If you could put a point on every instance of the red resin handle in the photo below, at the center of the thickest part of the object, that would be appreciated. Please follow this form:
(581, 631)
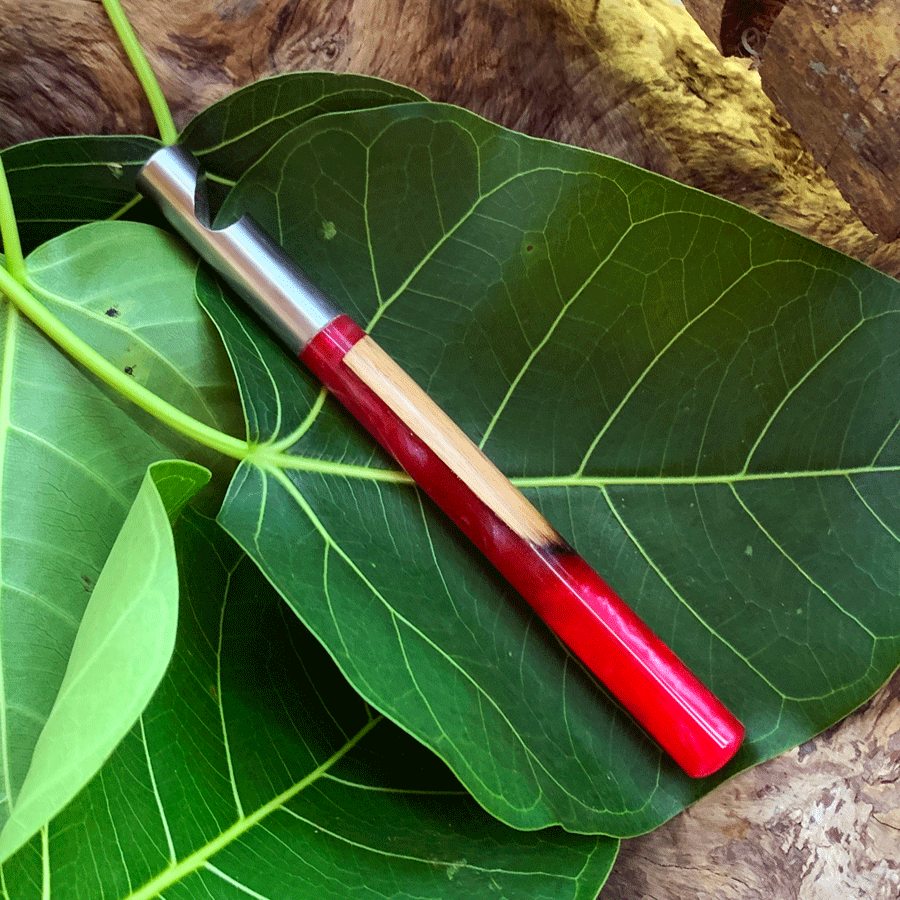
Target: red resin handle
(697, 731)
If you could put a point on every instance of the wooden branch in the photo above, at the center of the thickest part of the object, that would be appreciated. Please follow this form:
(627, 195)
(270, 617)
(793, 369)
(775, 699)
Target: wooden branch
(832, 68)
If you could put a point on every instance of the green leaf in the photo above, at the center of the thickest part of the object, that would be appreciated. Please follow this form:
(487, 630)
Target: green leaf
(127, 289)
(229, 136)
(256, 771)
(107, 684)
(73, 453)
(59, 183)
(706, 404)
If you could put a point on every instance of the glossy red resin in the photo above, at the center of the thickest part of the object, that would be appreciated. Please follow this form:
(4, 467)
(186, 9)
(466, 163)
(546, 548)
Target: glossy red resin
(694, 728)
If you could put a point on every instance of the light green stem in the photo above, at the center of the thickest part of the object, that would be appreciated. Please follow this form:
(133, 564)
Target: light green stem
(118, 380)
(167, 131)
(9, 231)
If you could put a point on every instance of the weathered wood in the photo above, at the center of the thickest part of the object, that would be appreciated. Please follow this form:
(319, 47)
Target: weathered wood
(832, 68)
(819, 823)
(634, 78)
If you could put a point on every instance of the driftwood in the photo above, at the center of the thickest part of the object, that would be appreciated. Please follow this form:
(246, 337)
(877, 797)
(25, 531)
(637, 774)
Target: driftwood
(832, 68)
(819, 823)
(634, 78)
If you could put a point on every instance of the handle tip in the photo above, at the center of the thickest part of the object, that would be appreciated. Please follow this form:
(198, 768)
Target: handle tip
(703, 747)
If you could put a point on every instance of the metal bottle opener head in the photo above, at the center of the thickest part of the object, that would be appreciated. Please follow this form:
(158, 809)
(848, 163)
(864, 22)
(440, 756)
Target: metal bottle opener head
(252, 263)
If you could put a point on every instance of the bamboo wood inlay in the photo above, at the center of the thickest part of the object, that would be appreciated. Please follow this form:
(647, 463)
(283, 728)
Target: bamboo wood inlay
(447, 441)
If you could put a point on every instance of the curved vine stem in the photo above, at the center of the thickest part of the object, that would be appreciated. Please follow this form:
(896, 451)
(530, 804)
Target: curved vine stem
(14, 283)
(120, 382)
(9, 231)
(138, 59)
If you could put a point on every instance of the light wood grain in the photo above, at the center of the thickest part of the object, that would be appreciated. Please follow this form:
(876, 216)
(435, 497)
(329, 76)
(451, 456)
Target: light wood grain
(444, 438)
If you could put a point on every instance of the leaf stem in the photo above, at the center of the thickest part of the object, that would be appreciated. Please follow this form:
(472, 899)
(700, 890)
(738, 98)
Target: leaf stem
(119, 381)
(138, 59)
(45, 863)
(266, 456)
(9, 231)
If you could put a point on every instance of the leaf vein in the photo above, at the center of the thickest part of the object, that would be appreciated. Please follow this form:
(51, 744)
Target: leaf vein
(329, 541)
(772, 540)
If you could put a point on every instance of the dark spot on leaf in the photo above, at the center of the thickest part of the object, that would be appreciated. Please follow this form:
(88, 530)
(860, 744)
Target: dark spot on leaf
(129, 370)
(88, 582)
(529, 248)
(112, 312)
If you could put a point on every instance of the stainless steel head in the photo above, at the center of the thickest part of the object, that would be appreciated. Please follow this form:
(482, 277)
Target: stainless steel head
(279, 291)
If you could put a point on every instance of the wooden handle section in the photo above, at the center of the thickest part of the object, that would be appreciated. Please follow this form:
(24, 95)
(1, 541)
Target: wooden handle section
(444, 438)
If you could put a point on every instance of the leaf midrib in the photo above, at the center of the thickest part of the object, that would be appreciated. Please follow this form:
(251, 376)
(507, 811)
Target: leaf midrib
(267, 456)
(6, 379)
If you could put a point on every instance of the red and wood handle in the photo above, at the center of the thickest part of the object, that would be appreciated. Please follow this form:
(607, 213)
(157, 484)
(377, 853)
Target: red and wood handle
(650, 682)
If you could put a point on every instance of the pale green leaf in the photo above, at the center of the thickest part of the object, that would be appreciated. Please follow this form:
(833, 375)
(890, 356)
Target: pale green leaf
(107, 683)
(73, 453)
(127, 289)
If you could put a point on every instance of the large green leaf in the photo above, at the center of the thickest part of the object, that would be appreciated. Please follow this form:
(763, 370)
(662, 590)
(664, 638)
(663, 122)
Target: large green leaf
(106, 683)
(73, 453)
(706, 404)
(257, 772)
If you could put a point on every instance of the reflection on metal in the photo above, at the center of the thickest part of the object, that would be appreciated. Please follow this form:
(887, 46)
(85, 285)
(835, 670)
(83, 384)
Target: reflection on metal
(277, 289)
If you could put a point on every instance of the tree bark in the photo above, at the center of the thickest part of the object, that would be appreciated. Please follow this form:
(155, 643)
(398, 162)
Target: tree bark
(832, 68)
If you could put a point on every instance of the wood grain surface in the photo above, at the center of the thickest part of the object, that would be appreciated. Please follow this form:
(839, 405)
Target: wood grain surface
(832, 68)
(634, 78)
